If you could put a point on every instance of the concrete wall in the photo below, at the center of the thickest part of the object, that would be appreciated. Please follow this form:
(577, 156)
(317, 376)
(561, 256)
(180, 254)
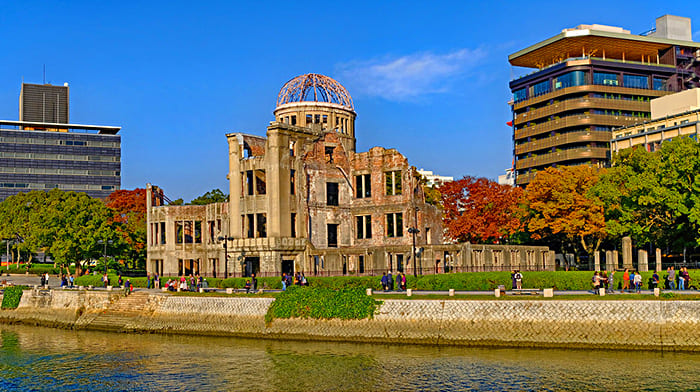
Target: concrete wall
(667, 325)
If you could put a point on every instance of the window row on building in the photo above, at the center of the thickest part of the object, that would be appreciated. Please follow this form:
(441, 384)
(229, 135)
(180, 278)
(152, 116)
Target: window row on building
(58, 142)
(64, 172)
(59, 157)
(65, 187)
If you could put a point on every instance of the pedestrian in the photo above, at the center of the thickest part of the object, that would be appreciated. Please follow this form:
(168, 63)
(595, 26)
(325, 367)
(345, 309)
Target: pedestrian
(518, 280)
(631, 281)
(71, 280)
(595, 282)
(398, 281)
(626, 280)
(255, 282)
(681, 279)
(120, 280)
(156, 281)
(148, 280)
(403, 281)
(654, 280)
(638, 282)
(127, 287)
(671, 278)
(604, 280)
(284, 281)
(247, 286)
(611, 282)
(384, 285)
(512, 278)
(389, 281)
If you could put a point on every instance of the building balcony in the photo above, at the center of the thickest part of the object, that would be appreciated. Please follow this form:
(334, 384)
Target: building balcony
(562, 156)
(582, 103)
(562, 139)
(581, 120)
(589, 88)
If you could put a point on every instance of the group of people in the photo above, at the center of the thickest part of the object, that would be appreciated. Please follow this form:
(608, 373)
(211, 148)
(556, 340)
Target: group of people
(152, 281)
(388, 281)
(191, 283)
(298, 279)
(632, 280)
(517, 279)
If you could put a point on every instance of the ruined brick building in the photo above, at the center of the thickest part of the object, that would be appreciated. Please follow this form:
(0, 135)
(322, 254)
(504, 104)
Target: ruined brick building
(302, 199)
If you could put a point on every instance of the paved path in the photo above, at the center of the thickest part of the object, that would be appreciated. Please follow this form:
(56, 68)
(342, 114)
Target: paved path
(30, 280)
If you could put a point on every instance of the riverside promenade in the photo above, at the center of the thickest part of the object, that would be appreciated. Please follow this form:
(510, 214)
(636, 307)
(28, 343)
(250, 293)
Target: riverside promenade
(655, 324)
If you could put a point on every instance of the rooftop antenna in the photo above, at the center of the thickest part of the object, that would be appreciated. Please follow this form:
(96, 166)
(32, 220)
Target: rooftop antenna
(44, 73)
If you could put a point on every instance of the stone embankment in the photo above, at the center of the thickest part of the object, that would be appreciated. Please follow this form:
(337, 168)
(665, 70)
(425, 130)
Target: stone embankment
(655, 325)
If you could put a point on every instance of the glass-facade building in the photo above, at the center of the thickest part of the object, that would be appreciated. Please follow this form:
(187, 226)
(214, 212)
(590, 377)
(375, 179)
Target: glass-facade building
(70, 157)
(588, 82)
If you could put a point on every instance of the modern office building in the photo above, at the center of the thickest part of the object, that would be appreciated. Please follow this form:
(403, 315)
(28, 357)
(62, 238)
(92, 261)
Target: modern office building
(43, 151)
(589, 80)
(672, 116)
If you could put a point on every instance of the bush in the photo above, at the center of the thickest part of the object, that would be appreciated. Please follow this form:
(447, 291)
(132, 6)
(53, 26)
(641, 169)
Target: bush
(11, 297)
(322, 303)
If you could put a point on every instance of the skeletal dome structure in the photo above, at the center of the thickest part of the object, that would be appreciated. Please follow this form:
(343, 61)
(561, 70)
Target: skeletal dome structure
(318, 102)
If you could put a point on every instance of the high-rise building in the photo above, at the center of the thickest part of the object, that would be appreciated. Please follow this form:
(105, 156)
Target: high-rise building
(43, 150)
(589, 80)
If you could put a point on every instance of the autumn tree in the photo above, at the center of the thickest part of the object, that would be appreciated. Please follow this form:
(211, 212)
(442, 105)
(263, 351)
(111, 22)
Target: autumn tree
(561, 206)
(481, 210)
(129, 211)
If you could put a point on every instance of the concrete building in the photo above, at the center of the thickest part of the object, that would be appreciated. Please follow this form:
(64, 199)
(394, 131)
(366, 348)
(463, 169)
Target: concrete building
(672, 116)
(589, 80)
(433, 179)
(43, 150)
(302, 199)
(508, 178)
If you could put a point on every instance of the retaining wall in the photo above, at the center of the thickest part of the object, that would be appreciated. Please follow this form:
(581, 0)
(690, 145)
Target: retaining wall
(655, 324)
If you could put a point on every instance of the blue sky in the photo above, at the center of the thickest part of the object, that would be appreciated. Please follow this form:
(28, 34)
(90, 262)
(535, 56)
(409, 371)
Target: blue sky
(428, 78)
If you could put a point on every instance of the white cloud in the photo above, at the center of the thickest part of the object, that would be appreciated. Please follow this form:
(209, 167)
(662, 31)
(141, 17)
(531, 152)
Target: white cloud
(410, 76)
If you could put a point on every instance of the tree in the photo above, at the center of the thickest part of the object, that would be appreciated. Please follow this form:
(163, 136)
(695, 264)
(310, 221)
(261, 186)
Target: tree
(129, 211)
(213, 196)
(481, 210)
(560, 205)
(654, 196)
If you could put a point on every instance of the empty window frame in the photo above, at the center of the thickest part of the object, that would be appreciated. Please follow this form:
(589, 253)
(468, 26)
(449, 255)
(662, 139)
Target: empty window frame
(294, 225)
(294, 120)
(364, 226)
(332, 193)
(248, 182)
(260, 182)
(394, 225)
(248, 225)
(393, 182)
(162, 232)
(328, 151)
(363, 185)
(292, 181)
(332, 230)
(292, 148)
(261, 225)
(309, 119)
(197, 232)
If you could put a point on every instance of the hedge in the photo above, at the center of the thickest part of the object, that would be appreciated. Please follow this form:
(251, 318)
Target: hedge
(322, 303)
(469, 281)
(11, 297)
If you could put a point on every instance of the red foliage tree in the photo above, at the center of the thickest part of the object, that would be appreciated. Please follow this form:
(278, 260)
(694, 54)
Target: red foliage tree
(481, 210)
(129, 208)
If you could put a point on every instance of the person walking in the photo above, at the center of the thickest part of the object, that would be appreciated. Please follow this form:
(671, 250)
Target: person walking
(671, 278)
(254, 281)
(626, 280)
(611, 282)
(638, 283)
(148, 280)
(398, 281)
(518, 280)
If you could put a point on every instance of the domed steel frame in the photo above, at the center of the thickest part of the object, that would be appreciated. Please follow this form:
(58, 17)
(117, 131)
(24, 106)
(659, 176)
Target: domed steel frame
(314, 88)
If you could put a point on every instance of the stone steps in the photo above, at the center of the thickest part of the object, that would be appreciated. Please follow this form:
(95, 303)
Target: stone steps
(120, 313)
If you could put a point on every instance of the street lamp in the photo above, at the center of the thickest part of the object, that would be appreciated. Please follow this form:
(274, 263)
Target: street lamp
(414, 230)
(225, 240)
(104, 252)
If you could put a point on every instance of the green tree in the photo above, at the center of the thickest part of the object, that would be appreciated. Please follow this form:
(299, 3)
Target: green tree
(213, 196)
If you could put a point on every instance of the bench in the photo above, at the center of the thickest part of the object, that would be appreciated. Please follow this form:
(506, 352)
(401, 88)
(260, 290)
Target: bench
(526, 291)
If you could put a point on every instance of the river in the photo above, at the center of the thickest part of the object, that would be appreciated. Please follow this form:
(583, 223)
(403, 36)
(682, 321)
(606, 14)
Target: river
(44, 359)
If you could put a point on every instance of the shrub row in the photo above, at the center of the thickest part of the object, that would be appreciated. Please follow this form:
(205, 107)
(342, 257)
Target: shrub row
(11, 297)
(322, 303)
(470, 281)
(35, 269)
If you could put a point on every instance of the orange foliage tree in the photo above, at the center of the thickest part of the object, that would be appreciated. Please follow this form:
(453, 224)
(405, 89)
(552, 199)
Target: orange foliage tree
(481, 210)
(129, 211)
(561, 204)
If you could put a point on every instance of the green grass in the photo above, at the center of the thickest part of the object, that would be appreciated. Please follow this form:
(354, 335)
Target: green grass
(11, 297)
(322, 303)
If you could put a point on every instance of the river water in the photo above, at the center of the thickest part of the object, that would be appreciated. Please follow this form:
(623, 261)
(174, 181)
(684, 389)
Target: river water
(44, 359)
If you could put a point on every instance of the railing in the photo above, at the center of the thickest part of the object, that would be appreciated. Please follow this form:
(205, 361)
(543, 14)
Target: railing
(576, 120)
(582, 103)
(564, 155)
(583, 59)
(562, 139)
(590, 88)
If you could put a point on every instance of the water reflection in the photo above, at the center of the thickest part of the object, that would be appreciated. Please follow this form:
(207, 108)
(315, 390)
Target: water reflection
(38, 359)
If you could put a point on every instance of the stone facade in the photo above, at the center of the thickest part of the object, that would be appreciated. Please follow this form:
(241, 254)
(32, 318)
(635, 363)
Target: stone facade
(303, 200)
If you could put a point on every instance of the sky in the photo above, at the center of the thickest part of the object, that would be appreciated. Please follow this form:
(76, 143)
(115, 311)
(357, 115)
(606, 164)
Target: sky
(427, 78)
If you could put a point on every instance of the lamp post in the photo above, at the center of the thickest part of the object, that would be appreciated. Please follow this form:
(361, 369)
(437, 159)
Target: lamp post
(225, 240)
(104, 252)
(414, 230)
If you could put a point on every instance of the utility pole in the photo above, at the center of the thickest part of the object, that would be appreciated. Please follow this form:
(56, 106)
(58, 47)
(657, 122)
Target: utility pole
(414, 230)
(225, 240)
